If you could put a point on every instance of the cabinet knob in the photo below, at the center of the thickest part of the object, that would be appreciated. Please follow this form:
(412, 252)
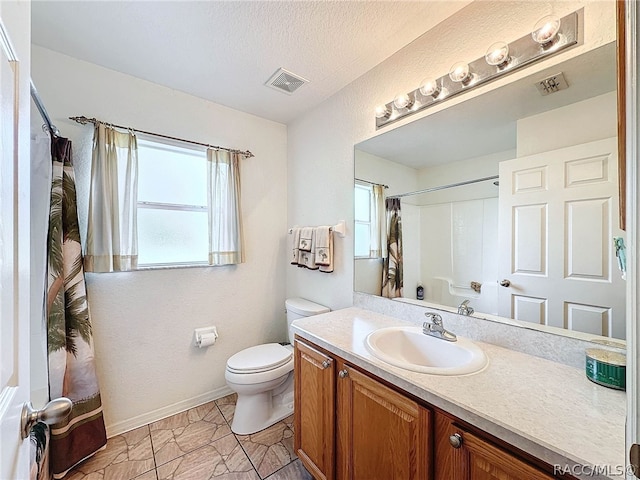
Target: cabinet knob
(455, 440)
(326, 363)
(343, 373)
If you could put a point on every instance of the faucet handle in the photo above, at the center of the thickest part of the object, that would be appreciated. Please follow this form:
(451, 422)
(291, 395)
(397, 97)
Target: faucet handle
(434, 317)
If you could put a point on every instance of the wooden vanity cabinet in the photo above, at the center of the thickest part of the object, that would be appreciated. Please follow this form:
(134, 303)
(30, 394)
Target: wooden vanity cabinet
(314, 412)
(351, 426)
(372, 431)
(462, 455)
(381, 433)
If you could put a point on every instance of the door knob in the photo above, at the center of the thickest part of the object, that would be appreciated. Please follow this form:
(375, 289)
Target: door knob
(455, 440)
(53, 412)
(505, 283)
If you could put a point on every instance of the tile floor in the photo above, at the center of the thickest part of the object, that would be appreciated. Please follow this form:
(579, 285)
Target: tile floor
(197, 445)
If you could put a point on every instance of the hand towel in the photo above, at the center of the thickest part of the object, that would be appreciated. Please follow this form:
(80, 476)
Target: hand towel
(308, 259)
(295, 242)
(328, 267)
(322, 246)
(305, 239)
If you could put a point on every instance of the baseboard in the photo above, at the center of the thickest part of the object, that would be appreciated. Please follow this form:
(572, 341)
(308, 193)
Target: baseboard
(164, 412)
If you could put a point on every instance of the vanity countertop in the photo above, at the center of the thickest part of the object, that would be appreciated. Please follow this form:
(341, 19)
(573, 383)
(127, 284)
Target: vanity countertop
(547, 409)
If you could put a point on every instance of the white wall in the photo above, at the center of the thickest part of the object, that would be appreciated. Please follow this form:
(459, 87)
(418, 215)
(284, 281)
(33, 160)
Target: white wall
(371, 168)
(143, 321)
(460, 171)
(568, 126)
(320, 146)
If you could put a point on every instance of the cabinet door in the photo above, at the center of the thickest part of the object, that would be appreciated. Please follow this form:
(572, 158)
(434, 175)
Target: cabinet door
(473, 458)
(381, 434)
(314, 412)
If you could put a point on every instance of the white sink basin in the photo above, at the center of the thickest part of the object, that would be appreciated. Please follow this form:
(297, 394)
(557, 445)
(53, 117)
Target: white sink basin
(409, 348)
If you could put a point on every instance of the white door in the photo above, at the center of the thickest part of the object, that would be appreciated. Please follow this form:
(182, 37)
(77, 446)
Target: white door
(558, 216)
(14, 268)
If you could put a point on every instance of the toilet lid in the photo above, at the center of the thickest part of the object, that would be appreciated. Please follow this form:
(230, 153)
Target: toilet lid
(259, 358)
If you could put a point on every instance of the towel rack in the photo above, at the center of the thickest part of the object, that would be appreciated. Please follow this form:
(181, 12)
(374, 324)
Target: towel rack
(339, 228)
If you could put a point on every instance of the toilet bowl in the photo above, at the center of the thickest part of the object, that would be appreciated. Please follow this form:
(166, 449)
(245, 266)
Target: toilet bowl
(262, 376)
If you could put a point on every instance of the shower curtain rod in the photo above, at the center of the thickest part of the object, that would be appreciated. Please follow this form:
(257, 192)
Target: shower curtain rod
(370, 183)
(84, 120)
(43, 111)
(443, 187)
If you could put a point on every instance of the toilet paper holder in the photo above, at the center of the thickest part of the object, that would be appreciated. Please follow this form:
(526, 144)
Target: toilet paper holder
(205, 337)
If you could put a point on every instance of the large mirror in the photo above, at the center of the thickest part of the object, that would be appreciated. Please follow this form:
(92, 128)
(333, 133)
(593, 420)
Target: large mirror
(537, 241)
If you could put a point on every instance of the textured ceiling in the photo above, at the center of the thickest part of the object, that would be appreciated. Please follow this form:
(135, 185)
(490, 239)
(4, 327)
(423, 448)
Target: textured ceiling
(224, 51)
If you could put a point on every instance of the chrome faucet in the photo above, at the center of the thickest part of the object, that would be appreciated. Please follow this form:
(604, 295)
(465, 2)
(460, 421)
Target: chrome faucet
(465, 309)
(436, 329)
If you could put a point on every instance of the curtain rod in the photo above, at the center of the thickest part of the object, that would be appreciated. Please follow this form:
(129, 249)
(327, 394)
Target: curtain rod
(43, 111)
(84, 120)
(443, 187)
(370, 183)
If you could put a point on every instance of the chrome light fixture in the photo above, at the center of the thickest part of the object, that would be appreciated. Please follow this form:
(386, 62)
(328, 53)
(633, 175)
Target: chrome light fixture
(546, 30)
(498, 55)
(429, 88)
(382, 111)
(550, 35)
(403, 100)
(459, 72)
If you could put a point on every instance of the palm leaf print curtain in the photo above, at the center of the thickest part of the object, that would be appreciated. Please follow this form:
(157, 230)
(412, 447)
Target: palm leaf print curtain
(71, 359)
(392, 266)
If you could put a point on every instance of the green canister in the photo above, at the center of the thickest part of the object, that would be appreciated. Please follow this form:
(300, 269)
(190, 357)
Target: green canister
(606, 368)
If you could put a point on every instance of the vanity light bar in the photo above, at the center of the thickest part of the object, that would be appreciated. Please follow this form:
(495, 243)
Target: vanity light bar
(520, 53)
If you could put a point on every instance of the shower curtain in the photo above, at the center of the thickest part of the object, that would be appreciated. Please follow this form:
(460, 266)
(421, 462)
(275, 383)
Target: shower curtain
(69, 337)
(392, 266)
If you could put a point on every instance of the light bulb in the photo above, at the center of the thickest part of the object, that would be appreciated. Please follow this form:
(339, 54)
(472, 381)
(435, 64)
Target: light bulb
(429, 87)
(546, 29)
(497, 54)
(402, 101)
(382, 111)
(459, 72)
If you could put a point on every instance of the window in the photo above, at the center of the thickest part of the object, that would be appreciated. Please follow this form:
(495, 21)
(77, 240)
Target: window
(363, 209)
(172, 205)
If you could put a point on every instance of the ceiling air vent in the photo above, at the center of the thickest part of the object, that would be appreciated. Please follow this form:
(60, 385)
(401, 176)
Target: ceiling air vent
(552, 84)
(285, 81)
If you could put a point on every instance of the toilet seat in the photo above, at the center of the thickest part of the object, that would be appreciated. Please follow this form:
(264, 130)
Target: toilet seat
(258, 359)
(260, 377)
(259, 364)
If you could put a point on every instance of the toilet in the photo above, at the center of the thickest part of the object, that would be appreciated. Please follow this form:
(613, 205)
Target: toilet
(262, 376)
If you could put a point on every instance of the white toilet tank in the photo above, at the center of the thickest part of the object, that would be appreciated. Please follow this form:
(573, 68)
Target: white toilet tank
(299, 308)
